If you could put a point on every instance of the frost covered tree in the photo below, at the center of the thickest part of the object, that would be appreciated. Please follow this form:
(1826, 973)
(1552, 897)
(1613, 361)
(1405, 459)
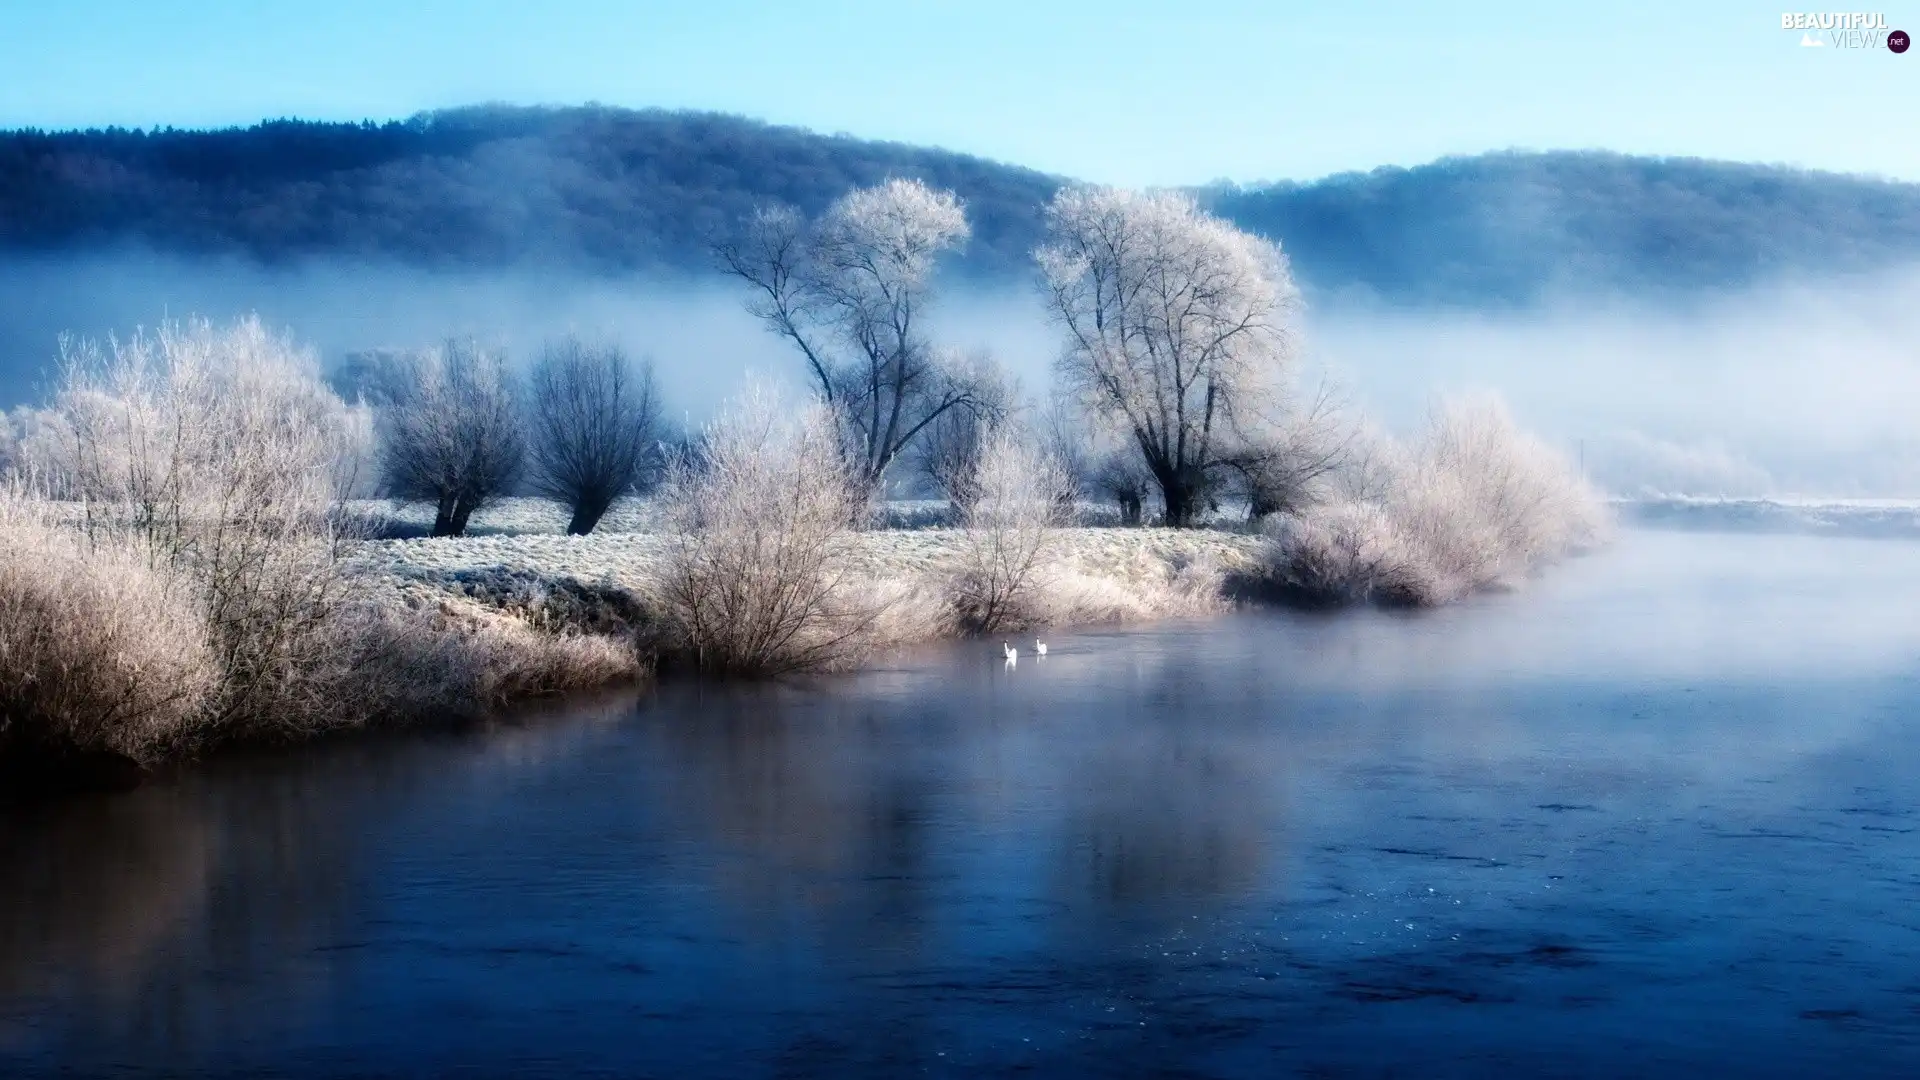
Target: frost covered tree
(1178, 329)
(596, 420)
(849, 291)
(1292, 465)
(1017, 497)
(947, 453)
(452, 436)
(212, 455)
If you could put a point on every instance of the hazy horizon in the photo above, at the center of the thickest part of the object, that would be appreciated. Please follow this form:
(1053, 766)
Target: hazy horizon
(1789, 387)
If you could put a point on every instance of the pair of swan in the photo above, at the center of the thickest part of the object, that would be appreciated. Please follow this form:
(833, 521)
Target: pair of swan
(1013, 655)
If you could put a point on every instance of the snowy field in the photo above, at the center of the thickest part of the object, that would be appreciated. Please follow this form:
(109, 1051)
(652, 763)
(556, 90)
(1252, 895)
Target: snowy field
(525, 516)
(630, 559)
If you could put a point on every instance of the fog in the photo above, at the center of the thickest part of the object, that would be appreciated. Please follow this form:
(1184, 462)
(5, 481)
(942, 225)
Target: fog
(1788, 389)
(1802, 389)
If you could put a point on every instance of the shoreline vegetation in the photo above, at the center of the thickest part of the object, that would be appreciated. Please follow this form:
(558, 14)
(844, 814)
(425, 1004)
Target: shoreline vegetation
(191, 530)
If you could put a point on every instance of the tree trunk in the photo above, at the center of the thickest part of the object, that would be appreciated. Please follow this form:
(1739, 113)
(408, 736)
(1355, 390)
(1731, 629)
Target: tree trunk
(1182, 499)
(586, 516)
(462, 510)
(443, 517)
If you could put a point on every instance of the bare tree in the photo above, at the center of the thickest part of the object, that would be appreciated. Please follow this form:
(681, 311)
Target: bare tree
(948, 451)
(848, 290)
(1287, 471)
(1177, 328)
(1120, 475)
(596, 427)
(452, 437)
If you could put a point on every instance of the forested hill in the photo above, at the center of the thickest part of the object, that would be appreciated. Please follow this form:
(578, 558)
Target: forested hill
(608, 188)
(611, 189)
(1510, 226)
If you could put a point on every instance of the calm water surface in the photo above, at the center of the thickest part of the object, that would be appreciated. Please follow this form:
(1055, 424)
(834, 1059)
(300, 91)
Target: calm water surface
(1657, 814)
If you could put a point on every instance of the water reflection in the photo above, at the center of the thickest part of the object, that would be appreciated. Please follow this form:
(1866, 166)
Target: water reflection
(94, 891)
(1546, 821)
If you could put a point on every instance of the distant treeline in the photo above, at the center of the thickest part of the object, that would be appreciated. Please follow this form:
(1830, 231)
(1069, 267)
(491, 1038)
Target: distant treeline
(612, 189)
(1507, 227)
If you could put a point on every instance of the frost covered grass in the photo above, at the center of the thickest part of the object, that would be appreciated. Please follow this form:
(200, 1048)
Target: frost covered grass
(750, 562)
(1094, 575)
(1157, 563)
(517, 515)
(95, 651)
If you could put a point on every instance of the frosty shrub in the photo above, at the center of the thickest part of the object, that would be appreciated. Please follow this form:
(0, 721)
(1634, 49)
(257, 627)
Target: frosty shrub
(1017, 499)
(1476, 504)
(98, 650)
(461, 660)
(758, 578)
(216, 452)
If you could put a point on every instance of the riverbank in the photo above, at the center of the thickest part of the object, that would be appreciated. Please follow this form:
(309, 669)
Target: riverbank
(447, 630)
(292, 616)
(608, 584)
(408, 630)
(1893, 519)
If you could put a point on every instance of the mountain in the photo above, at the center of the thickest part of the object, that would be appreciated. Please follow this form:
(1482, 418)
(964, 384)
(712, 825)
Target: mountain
(1510, 227)
(611, 190)
(608, 188)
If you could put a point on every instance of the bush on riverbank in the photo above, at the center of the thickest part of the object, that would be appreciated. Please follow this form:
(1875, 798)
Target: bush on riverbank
(758, 576)
(190, 588)
(97, 653)
(1476, 504)
(449, 660)
(1006, 563)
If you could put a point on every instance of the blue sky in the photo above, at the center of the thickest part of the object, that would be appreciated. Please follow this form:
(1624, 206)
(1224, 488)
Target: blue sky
(1109, 91)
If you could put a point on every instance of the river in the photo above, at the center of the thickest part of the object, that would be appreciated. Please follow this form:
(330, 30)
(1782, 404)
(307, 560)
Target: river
(1657, 813)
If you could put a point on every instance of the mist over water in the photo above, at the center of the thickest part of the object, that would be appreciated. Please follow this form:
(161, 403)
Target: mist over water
(1807, 388)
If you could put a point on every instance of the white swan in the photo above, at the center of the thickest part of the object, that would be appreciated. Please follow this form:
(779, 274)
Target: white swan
(1012, 654)
(1039, 647)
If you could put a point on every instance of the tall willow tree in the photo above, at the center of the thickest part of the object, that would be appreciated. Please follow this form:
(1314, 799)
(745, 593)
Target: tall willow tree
(1178, 332)
(849, 291)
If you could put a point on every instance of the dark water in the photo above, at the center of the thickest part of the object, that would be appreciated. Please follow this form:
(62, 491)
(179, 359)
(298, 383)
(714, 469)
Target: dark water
(1656, 815)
